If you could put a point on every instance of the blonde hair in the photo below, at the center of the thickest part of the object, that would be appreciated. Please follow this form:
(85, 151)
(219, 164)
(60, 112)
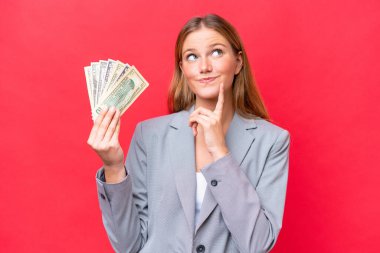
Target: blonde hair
(247, 99)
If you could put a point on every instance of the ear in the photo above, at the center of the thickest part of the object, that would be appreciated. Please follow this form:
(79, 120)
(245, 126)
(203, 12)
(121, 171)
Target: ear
(239, 60)
(180, 65)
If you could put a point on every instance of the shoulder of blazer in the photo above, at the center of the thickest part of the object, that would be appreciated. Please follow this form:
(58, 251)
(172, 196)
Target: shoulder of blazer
(157, 124)
(267, 126)
(161, 124)
(270, 132)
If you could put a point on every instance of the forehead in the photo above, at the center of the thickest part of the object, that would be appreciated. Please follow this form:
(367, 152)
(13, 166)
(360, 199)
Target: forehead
(203, 37)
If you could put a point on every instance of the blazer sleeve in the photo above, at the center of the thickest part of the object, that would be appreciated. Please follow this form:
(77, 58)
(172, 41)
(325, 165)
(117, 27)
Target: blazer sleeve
(125, 209)
(253, 216)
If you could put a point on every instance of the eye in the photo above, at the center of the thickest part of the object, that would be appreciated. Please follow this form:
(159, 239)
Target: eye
(191, 57)
(217, 52)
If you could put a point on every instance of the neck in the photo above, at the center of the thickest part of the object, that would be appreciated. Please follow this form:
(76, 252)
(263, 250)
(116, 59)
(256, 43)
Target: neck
(228, 108)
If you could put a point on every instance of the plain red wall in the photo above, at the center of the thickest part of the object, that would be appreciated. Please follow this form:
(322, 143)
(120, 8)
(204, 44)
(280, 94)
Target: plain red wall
(316, 63)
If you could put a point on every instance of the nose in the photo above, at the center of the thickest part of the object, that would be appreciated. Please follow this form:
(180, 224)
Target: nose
(205, 65)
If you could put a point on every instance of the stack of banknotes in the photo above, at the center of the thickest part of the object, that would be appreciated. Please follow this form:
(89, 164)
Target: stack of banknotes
(113, 83)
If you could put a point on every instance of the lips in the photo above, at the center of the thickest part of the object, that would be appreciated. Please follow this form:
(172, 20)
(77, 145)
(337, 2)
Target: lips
(207, 79)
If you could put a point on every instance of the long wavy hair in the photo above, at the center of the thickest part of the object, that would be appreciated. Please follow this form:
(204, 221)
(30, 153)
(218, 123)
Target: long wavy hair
(247, 99)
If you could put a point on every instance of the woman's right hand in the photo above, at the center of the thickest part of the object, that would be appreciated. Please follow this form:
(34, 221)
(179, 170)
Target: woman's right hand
(104, 140)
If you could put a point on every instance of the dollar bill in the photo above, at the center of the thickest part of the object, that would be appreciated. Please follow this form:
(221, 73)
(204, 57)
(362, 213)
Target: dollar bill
(87, 72)
(107, 77)
(95, 75)
(122, 73)
(118, 69)
(123, 93)
(102, 73)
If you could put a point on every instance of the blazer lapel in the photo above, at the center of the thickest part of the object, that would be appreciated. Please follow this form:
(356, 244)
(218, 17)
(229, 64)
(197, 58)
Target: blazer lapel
(182, 157)
(239, 139)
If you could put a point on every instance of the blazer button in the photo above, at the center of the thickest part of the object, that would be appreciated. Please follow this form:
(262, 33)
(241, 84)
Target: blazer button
(201, 248)
(214, 182)
(102, 196)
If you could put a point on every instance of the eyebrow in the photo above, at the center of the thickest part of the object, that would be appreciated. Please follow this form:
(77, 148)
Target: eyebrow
(212, 45)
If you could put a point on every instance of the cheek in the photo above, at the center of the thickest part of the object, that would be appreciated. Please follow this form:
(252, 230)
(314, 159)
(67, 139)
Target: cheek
(189, 71)
(227, 70)
(226, 67)
(190, 76)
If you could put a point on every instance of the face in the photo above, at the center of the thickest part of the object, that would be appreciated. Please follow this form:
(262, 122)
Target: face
(207, 61)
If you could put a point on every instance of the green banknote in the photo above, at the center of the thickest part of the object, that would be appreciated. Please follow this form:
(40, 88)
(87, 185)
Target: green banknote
(129, 85)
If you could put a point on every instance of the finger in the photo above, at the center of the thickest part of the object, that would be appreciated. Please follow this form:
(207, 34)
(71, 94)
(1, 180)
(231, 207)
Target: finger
(204, 112)
(202, 120)
(115, 136)
(104, 124)
(194, 127)
(219, 104)
(112, 127)
(95, 128)
(193, 118)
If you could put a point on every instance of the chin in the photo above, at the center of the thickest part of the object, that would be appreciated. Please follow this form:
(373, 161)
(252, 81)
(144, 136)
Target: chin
(210, 94)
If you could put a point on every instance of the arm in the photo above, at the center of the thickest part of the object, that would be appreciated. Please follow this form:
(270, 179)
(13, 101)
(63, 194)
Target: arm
(125, 209)
(253, 216)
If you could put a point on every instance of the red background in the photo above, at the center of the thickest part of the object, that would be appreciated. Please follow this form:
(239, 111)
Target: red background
(317, 66)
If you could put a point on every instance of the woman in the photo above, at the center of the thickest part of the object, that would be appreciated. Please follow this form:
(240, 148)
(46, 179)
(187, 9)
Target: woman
(211, 176)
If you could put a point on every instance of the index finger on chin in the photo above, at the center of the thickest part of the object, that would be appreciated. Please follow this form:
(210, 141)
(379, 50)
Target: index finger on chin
(219, 104)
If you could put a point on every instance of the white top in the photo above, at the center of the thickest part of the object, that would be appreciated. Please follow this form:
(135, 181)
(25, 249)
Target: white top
(201, 188)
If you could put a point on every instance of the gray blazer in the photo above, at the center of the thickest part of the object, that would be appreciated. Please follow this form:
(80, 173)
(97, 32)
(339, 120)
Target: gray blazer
(152, 210)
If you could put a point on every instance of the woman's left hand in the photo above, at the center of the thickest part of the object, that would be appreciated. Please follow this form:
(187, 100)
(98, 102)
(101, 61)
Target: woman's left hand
(211, 126)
